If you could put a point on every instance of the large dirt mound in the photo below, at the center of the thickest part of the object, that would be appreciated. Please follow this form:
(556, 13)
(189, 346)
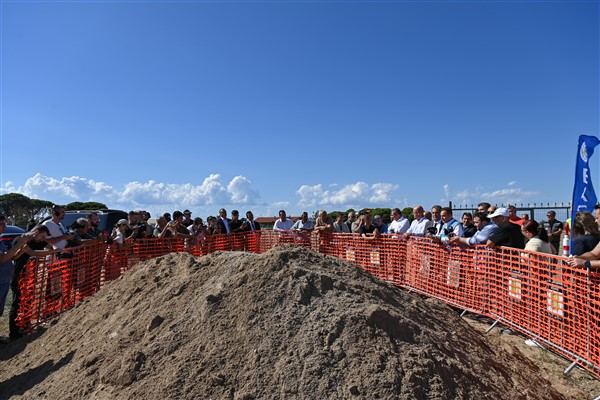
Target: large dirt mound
(289, 323)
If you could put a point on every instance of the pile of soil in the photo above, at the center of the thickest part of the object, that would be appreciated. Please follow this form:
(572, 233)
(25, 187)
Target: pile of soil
(289, 323)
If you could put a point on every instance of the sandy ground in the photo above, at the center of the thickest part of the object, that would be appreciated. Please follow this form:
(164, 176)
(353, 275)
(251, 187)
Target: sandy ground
(577, 384)
(289, 323)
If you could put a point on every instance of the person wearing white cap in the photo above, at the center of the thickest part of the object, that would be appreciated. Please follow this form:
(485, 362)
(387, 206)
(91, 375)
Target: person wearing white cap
(508, 234)
(120, 232)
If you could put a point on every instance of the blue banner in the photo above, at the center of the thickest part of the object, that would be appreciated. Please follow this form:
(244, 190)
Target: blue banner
(584, 196)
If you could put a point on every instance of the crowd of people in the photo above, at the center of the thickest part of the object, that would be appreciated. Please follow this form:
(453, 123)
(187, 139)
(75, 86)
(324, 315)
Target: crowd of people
(489, 225)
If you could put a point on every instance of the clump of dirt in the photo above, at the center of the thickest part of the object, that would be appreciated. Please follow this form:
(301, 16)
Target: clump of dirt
(289, 323)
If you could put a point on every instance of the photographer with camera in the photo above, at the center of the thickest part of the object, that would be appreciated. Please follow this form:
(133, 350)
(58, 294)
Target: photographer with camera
(176, 226)
(137, 225)
(197, 228)
(450, 228)
(34, 248)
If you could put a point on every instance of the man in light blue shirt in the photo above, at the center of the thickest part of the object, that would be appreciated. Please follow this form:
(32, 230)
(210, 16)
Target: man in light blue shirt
(485, 229)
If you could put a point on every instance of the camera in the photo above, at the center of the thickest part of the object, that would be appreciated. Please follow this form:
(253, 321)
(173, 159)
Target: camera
(449, 233)
(432, 230)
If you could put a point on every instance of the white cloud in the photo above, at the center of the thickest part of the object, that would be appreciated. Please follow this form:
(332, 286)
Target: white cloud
(498, 196)
(150, 195)
(447, 191)
(512, 183)
(382, 193)
(210, 192)
(504, 196)
(357, 194)
(63, 190)
(241, 190)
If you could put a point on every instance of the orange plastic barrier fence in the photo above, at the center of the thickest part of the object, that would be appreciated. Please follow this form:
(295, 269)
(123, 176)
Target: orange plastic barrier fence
(537, 294)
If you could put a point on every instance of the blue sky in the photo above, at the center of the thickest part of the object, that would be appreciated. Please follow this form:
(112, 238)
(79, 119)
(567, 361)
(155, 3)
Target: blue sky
(265, 105)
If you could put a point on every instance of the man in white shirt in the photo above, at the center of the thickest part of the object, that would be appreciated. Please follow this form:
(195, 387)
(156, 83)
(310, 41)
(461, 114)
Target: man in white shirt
(58, 234)
(283, 223)
(303, 224)
(419, 224)
(399, 224)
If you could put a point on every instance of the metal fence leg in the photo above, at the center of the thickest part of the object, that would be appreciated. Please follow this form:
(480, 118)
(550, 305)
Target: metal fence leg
(493, 325)
(570, 367)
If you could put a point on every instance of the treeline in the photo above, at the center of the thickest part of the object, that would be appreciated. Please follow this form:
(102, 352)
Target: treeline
(384, 212)
(19, 209)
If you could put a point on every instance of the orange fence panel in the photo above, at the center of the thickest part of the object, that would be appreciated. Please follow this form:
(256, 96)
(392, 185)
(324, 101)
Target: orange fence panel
(450, 273)
(537, 294)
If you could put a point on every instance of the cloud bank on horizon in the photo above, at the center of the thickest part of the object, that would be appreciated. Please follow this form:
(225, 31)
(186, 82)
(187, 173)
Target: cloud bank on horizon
(214, 192)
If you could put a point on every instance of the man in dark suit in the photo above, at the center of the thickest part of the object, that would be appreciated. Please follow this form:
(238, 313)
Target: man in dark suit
(250, 224)
(253, 228)
(223, 221)
(221, 241)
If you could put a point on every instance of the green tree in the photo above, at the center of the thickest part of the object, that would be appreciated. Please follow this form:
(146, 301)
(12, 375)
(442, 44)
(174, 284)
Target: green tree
(16, 208)
(407, 213)
(94, 205)
(90, 205)
(384, 212)
(334, 214)
(40, 208)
